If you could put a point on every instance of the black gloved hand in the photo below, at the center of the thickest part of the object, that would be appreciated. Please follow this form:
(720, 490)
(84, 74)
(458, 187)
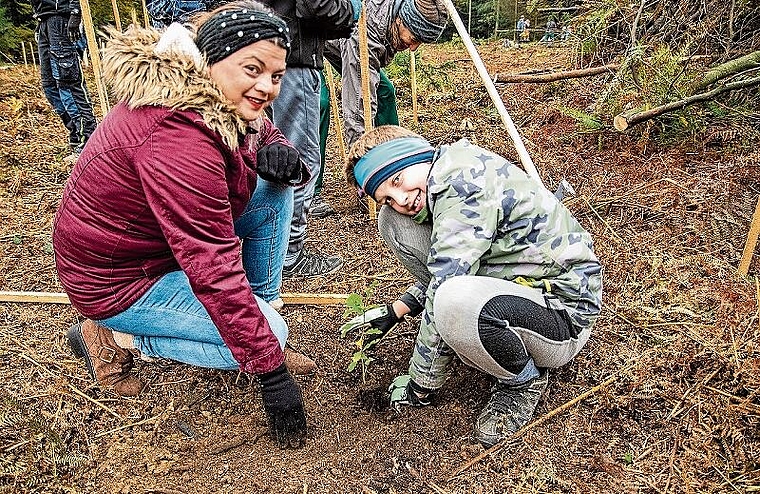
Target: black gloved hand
(279, 163)
(382, 318)
(72, 27)
(283, 404)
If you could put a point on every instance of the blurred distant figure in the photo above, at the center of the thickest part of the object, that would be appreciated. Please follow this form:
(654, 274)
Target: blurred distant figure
(523, 26)
(551, 31)
(57, 33)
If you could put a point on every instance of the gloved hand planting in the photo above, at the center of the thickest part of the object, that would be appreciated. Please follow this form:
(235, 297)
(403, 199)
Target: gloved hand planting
(405, 392)
(382, 318)
(283, 404)
(72, 27)
(279, 163)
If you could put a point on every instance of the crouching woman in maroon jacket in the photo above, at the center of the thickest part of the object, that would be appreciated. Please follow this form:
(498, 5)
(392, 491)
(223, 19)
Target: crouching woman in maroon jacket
(148, 234)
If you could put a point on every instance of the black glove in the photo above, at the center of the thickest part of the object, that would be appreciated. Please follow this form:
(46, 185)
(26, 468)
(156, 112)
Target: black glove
(382, 318)
(75, 19)
(283, 404)
(279, 163)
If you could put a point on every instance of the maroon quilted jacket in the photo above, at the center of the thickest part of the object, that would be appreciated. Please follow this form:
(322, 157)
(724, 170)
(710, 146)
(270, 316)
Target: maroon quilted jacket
(156, 190)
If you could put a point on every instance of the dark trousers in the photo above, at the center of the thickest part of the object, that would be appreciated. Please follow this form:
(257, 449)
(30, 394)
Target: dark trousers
(63, 81)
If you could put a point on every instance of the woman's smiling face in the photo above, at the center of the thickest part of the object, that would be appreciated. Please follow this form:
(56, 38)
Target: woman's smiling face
(250, 77)
(405, 190)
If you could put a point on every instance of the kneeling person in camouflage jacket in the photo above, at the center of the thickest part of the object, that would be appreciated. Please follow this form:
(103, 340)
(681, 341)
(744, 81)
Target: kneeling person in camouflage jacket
(507, 279)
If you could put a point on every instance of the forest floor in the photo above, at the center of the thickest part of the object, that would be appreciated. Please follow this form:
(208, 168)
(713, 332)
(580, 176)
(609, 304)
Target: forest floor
(675, 356)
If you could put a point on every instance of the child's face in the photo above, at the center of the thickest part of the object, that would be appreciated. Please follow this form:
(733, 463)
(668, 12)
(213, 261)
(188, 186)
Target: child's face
(405, 190)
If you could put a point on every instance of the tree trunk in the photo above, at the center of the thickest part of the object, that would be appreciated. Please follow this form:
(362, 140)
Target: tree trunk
(726, 69)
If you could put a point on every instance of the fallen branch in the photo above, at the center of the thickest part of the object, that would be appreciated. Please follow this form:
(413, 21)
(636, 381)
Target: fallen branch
(287, 298)
(629, 119)
(538, 422)
(556, 76)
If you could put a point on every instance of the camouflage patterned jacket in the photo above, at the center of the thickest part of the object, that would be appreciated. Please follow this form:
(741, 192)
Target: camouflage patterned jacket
(491, 219)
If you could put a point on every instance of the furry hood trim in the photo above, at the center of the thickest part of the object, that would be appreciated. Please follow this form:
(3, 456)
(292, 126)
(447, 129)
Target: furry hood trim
(145, 67)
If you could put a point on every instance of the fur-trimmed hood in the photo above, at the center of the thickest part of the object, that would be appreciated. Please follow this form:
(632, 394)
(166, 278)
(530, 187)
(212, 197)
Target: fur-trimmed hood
(145, 67)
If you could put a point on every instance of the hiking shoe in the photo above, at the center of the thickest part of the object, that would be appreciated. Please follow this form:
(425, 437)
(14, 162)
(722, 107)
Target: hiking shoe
(297, 363)
(310, 265)
(508, 410)
(320, 208)
(106, 361)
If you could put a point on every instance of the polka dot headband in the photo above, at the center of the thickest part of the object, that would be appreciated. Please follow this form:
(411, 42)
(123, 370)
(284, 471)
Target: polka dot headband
(230, 30)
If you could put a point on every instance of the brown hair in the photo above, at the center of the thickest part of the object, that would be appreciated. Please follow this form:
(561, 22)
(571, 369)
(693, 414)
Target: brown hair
(369, 140)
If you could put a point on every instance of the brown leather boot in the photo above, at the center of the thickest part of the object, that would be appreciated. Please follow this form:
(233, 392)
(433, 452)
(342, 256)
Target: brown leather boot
(297, 363)
(108, 363)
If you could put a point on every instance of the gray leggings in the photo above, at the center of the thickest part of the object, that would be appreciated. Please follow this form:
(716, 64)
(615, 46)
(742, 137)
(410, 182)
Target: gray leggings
(497, 326)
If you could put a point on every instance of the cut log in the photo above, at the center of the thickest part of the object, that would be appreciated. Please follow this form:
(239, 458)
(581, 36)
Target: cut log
(287, 298)
(629, 119)
(556, 76)
(727, 69)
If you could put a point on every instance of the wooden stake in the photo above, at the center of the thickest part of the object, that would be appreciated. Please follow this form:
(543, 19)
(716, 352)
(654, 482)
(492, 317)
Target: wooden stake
(288, 298)
(92, 47)
(31, 50)
(413, 77)
(145, 14)
(116, 17)
(366, 94)
(335, 111)
(525, 159)
(749, 247)
(23, 50)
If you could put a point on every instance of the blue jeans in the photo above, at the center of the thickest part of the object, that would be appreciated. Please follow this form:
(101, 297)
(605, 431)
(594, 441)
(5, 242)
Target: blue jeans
(169, 321)
(296, 113)
(62, 80)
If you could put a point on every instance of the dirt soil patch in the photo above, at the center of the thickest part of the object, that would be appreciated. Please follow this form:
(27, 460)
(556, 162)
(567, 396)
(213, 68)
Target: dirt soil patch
(677, 344)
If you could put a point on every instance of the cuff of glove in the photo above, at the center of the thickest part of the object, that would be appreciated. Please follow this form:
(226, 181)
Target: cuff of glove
(273, 376)
(415, 308)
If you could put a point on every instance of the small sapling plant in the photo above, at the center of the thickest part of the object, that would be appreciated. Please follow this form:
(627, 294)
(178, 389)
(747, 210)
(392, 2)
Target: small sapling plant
(356, 308)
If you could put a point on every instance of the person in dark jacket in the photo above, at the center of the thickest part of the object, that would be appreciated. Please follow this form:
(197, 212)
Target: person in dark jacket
(148, 234)
(60, 72)
(296, 111)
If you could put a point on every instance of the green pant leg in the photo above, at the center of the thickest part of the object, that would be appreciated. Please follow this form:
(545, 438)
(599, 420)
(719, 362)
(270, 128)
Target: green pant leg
(324, 129)
(387, 114)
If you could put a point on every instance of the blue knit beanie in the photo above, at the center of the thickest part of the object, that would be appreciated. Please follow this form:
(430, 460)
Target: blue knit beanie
(425, 30)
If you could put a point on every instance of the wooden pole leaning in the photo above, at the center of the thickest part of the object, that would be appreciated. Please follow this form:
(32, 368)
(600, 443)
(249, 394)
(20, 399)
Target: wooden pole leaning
(366, 94)
(146, 16)
(116, 17)
(31, 51)
(23, 50)
(92, 47)
(525, 159)
(62, 298)
(335, 110)
(749, 247)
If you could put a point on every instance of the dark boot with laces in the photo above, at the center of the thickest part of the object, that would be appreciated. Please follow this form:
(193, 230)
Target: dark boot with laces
(310, 264)
(320, 208)
(508, 410)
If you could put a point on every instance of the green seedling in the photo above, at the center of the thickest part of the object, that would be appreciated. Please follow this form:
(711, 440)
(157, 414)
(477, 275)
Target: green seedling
(356, 306)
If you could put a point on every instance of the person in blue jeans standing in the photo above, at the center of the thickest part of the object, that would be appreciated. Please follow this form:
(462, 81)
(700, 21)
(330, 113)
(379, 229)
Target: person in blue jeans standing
(60, 71)
(296, 111)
